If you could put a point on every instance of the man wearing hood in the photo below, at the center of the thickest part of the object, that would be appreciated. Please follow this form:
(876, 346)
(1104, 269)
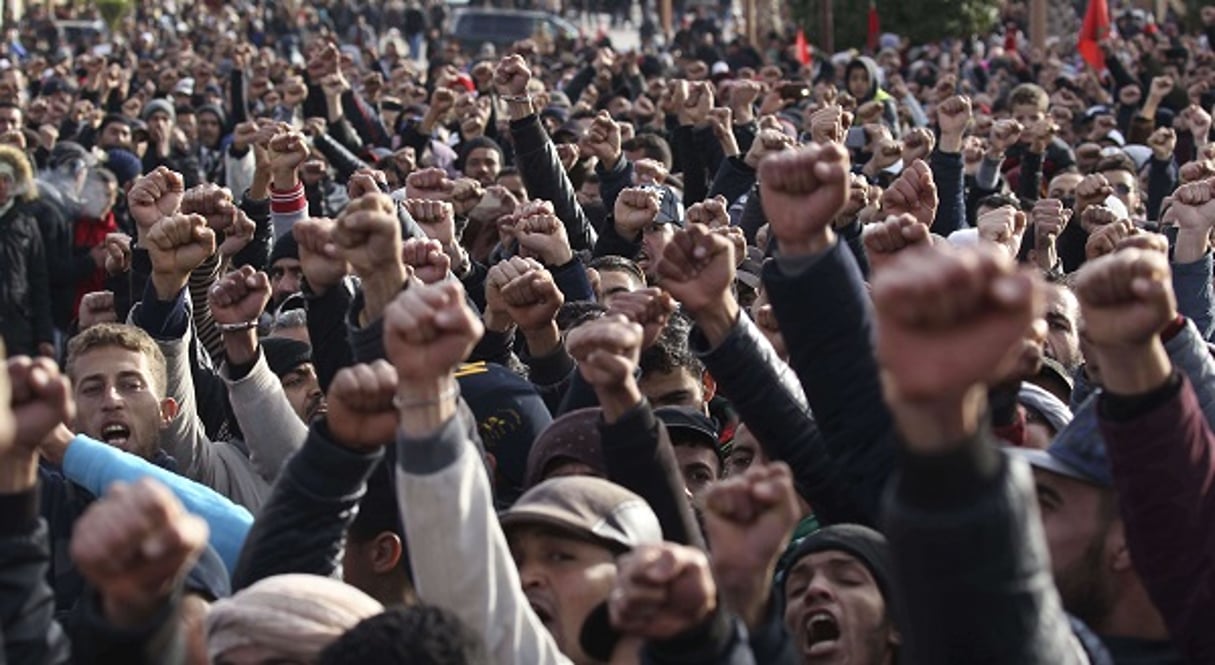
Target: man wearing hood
(864, 83)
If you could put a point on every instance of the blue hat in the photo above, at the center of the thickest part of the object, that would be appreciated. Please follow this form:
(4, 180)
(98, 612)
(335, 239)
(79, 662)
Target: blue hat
(1077, 452)
(124, 164)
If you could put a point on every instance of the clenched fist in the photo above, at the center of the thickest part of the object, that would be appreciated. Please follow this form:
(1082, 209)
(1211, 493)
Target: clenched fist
(662, 591)
(368, 234)
(155, 196)
(802, 192)
(177, 245)
(239, 296)
(361, 415)
(883, 240)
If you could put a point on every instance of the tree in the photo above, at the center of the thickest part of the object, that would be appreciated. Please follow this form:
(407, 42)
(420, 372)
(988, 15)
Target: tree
(921, 21)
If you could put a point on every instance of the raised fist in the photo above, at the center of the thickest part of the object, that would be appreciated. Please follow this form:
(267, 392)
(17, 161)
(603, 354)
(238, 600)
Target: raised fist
(950, 320)
(768, 142)
(1162, 142)
(662, 591)
(466, 193)
(429, 330)
(214, 203)
(1161, 87)
(710, 212)
(953, 115)
(366, 181)
(697, 267)
(287, 151)
(1039, 135)
(368, 234)
(1198, 121)
(40, 399)
(96, 307)
(649, 308)
(543, 237)
(914, 192)
(1004, 227)
(636, 208)
(602, 140)
(117, 253)
(512, 76)
(133, 545)
(1093, 189)
(1126, 298)
(155, 196)
(1095, 217)
(695, 109)
(431, 184)
(607, 350)
(827, 126)
(1106, 238)
(320, 259)
(883, 240)
(361, 416)
(239, 296)
(427, 258)
(238, 235)
(802, 192)
(179, 244)
(749, 519)
(1004, 135)
(532, 298)
(437, 218)
(918, 144)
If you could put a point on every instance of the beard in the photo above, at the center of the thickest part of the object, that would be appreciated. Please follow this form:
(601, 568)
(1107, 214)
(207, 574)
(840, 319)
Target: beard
(1085, 589)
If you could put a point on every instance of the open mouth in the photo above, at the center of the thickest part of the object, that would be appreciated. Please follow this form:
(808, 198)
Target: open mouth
(822, 633)
(317, 409)
(543, 613)
(116, 434)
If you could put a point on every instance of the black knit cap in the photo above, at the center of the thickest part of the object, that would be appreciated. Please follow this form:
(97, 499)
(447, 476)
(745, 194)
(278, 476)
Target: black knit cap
(284, 248)
(868, 546)
(284, 354)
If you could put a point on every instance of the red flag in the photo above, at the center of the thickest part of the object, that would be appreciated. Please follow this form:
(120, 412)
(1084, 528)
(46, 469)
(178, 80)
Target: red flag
(875, 27)
(1095, 29)
(803, 49)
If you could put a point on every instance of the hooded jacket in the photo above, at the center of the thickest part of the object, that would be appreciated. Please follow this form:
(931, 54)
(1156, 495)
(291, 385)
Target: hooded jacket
(890, 113)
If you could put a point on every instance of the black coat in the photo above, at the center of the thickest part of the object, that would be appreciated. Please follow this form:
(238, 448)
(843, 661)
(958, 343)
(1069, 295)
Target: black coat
(25, 295)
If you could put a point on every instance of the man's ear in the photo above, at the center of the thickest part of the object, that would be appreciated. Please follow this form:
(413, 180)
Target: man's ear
(168, 411)
(1117, 553)
(386, 551)
(709, 384)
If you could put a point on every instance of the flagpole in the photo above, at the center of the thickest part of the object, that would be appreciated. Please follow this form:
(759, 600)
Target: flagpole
(827, 27)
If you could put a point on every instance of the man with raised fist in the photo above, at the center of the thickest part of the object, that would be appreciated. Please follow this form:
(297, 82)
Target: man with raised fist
(949, 322)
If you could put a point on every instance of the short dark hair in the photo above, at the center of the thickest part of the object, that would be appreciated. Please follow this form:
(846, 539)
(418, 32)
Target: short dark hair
(652, 146)
(616, 263)
(577, 312)
(418, 635)
(994, 201)
(1119, 161)
(671, 351)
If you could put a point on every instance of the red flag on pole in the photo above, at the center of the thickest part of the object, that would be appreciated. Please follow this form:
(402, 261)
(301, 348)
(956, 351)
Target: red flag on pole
(1096, 28)
(875, 27)
(803, 49)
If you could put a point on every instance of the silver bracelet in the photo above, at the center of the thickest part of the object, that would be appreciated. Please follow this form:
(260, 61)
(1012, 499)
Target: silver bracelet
(516, 99)
(237, 327)
(450, 393)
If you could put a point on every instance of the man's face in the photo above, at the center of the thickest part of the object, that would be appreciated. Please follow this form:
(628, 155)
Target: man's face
(615, 282)
(483, 165)
(1076, 534)
(699, 465)
(116, 135)
(160, 125)
(209, 130)
(1063, 187)
(744, 451)
(1126, 188)
(835, 611)
(188, 124)
(10, 120)
(858, 82)
(303, 391)
(564, 579)
(514, 184)
(676, 388)
(1062, 335)
(1027, 114)
(285, 279)
(654, 241)
(116, 401)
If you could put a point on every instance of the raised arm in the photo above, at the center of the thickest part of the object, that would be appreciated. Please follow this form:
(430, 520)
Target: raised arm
(441, 480)
(970, 556)
(1161, 447)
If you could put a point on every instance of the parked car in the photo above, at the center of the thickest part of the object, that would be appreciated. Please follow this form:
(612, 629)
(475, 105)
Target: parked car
(474, 26)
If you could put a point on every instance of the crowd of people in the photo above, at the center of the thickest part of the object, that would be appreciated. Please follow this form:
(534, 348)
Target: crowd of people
(329, 342)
